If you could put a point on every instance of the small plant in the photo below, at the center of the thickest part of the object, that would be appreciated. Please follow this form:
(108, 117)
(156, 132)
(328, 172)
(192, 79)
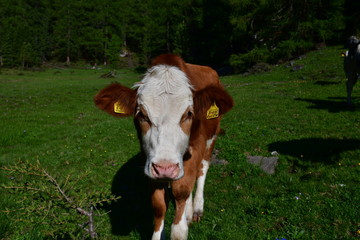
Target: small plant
(242, 62)
(62, 205)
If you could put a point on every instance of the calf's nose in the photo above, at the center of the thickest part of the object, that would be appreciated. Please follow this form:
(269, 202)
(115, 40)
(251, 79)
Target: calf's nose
(164, 170)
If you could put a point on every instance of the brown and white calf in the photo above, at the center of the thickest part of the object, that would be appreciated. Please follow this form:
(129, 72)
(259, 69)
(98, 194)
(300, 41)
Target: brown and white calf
(177, 109)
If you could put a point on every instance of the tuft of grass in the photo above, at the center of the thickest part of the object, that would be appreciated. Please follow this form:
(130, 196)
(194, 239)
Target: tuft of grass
(298, 110)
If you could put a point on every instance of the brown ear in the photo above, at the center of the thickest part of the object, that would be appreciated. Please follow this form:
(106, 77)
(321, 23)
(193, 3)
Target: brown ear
(205, 98)
(116, 100)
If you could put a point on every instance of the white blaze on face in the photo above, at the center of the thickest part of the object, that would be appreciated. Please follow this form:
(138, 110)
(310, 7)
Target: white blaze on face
(164, 112)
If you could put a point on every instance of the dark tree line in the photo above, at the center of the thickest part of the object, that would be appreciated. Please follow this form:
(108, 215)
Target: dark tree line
(218, 33)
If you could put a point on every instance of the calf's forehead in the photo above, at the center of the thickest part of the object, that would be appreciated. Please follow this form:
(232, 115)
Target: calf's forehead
(165, 107)
(164, 90)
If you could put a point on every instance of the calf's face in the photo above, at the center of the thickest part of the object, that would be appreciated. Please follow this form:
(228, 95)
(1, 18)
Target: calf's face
(164, 106)
(164, 113)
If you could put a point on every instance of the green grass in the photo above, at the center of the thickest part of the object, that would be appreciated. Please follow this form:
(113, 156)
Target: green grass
(50, 116)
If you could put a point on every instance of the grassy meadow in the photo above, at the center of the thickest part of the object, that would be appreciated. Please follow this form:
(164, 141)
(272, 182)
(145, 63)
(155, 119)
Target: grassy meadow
(298, 110)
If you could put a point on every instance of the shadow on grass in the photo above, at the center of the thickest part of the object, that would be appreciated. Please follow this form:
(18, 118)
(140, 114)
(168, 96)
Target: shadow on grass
(326, 83)
(333, 105)
(315, 149)
(132, 212)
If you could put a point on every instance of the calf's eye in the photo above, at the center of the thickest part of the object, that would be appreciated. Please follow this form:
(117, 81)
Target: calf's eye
(187, 116)
(142, 117)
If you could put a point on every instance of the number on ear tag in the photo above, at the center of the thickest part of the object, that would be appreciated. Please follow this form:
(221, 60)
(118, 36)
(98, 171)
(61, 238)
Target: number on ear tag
(212, 112)
(118, 108)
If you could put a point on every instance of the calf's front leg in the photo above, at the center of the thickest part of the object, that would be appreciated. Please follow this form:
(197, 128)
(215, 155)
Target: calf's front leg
(201, 177)
(160, 204)
(179, 228)
(199, 194)
(183, 201)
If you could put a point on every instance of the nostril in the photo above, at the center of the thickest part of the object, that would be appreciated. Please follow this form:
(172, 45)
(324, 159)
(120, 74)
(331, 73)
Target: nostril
(155, 167)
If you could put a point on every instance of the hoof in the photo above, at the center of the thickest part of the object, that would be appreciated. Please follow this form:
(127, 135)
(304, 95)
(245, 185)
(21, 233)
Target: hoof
(197, 216)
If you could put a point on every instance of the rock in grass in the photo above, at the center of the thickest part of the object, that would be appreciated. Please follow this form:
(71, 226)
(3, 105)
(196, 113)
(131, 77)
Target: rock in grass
(108, 75)
(215, 160)
(267, 164)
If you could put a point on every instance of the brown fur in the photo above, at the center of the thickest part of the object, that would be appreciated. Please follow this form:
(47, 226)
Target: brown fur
(143, 119)
(186, 121)
(200, 76)
(159, 202)
(108, 96)
(204, 98)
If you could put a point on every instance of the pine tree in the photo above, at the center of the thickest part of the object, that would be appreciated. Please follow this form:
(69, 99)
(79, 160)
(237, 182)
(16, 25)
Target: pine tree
(65, 28)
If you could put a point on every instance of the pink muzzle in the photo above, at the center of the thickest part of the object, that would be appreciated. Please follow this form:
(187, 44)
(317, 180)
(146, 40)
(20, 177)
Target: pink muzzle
(165, 170)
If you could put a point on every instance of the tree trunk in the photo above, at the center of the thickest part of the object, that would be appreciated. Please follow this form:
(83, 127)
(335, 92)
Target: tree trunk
(68, 39)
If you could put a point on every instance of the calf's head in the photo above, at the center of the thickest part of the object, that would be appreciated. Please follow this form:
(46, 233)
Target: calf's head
(165, 106)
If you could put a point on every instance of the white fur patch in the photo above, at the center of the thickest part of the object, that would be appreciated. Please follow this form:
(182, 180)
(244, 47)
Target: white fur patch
(189, 209)
(159, 235)
(165, 94)
(199, 195)
(180, 231)
(210, 141)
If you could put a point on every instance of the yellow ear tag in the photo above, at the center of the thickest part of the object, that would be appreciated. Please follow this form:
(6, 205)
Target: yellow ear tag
(118, 108)
(212, 112)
